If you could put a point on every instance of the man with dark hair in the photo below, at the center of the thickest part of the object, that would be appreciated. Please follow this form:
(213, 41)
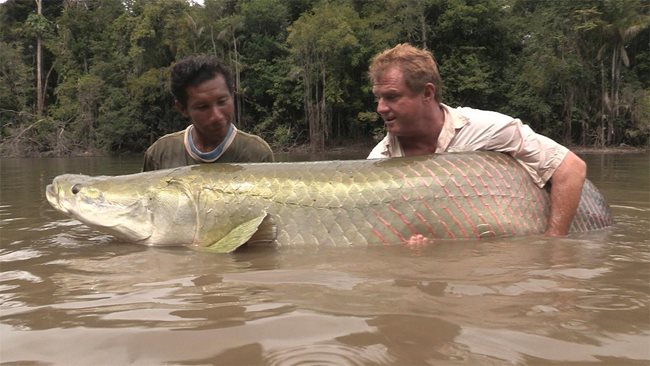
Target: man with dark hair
(203, 91)
(408, 89)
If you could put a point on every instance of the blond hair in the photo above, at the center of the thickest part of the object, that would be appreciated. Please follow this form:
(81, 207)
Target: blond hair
(418, 67)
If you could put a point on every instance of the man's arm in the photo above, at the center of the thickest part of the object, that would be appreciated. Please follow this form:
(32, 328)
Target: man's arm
(566, 188)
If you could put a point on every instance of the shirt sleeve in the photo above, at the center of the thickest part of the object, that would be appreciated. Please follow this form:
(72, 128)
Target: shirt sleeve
(376, 152)
(388, 147)
(268, 157)
(493, 131)
(148, 164)
(538, 154)
(260, 151)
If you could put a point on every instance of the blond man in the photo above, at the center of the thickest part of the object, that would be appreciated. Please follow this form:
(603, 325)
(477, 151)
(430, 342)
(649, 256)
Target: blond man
(408, 88)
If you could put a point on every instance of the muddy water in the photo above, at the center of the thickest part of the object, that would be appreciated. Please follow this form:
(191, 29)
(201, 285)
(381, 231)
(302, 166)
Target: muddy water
(71, 295)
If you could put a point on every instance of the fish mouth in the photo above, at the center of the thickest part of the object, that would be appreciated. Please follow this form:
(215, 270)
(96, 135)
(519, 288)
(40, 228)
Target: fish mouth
(108, 221)
(54, 198)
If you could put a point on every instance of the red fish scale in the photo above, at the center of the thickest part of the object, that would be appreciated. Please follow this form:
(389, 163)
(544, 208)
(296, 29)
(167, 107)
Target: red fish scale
(339, 203)
(445, 196)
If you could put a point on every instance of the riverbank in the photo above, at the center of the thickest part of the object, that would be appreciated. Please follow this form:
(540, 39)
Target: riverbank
(340, 150)
(361, 150)
(364, 148)
(621, 149)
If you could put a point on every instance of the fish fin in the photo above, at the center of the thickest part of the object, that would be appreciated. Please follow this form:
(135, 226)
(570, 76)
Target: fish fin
(266, 232)
(237, 236)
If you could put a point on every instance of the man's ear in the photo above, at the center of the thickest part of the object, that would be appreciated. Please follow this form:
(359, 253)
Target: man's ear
(181, 108)
(429, 91)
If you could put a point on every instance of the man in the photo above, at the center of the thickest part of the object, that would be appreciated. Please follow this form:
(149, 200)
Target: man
(203, 89)
(408, 89)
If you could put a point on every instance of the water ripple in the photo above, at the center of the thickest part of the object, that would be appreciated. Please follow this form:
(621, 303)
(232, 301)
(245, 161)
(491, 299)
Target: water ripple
(19, 275)
(332, 279)
(20, 255)
(614, 301)
(330, 354)
(577, 273)
(516, 346)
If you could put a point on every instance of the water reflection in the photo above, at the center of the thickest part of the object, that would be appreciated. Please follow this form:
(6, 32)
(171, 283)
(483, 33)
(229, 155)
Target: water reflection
(86, 298)
(519, 347)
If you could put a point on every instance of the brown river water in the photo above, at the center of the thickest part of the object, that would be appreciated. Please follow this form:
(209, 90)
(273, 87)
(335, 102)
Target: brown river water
(70, 295)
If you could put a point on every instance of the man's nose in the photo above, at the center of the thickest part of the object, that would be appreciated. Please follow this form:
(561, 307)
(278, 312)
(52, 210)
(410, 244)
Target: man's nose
(381, 106)
(216, 113)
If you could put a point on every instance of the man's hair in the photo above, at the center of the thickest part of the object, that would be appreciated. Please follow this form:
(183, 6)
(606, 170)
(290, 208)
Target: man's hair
(418, 67)
(194, 70)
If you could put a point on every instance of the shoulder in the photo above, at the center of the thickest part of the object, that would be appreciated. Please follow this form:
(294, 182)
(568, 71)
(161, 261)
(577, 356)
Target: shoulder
(249, 138)
(167, 140)
(251, 141)
(249, 147)
(166, 152)
(381, 150)
(483, 116)
(482, 125)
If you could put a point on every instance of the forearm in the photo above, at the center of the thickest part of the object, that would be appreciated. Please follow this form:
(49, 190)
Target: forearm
(566, 188)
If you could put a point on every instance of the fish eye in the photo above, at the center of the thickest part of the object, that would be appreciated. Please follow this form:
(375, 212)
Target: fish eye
(76, 188)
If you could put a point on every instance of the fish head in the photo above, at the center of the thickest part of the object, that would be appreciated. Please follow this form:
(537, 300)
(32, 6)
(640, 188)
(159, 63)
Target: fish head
(178, 206)
(118, 206)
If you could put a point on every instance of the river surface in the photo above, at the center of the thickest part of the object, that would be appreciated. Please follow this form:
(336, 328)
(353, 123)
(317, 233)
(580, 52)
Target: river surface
(70, 295)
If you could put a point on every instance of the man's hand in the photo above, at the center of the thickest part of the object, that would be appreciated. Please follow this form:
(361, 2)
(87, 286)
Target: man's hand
(417, 241)
(566, 188)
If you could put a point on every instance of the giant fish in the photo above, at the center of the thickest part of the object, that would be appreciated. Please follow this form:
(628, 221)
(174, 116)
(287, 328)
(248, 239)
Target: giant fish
(220, 207)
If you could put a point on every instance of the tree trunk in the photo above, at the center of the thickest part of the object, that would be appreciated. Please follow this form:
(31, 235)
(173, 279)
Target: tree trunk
(613, 97)
(604, 109)
(238, 96)
(40, 98)
(423, 29)
(214, 44)
(315, 105)
(311, 112)
(568, 115)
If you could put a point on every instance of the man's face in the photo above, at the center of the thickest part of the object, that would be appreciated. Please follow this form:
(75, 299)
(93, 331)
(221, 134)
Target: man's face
(210, 107)
(399, 107)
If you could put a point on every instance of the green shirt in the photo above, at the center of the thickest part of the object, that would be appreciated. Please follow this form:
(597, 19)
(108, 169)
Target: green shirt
(169, 151)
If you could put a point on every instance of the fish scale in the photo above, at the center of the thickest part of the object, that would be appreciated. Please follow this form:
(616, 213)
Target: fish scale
(334, 203)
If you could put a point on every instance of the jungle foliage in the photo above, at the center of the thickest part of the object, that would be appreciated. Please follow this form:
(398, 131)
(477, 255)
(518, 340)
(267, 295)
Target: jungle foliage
(91, 75)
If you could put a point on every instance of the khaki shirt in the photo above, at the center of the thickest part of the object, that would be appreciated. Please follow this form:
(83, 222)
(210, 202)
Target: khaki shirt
(169, 151)
(467, 129)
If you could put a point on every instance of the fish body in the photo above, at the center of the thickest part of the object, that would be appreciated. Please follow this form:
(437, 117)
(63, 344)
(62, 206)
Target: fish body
(220, 207)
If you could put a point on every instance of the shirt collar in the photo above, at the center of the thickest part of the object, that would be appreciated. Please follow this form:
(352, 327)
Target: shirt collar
(454, 121)
(211, 156)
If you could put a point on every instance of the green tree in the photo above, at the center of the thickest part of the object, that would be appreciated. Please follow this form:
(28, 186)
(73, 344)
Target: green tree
(16, 88)
(474, 43)
(552, 76)
(320, 41)
(576, 71)
(610, 27)
(621, 21)
(270, 95)
(81, 43)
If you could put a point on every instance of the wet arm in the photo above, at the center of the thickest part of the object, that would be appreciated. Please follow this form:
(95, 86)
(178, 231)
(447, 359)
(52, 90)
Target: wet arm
(566, 187)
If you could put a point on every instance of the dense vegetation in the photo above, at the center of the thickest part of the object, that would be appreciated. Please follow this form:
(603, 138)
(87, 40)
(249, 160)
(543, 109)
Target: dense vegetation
(91, 75)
